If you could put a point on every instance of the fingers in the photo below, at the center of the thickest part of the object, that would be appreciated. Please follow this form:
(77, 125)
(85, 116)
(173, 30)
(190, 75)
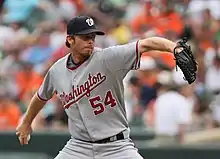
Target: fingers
(23, 140)
(23, 133)
(17, 133)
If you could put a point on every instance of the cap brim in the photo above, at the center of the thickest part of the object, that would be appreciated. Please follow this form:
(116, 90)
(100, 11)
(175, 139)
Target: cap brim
(88, 31)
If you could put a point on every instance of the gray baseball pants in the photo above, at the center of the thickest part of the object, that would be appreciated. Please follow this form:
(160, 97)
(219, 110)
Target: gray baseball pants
(121, 149)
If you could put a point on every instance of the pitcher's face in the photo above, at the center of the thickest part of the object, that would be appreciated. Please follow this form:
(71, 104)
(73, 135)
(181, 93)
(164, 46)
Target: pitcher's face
(83, 44)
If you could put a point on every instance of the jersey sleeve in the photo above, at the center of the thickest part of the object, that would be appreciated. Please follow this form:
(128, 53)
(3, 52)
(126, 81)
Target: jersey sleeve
(46, 90)
(122, 57)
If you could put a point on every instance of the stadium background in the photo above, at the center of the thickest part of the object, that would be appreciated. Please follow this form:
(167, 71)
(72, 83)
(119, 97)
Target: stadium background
(32, 38)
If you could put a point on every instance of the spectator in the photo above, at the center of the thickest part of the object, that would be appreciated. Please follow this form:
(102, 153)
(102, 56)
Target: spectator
(18, 30)
(57, 9)
(214, 87)
(27, 80)
(132, 98)
(18, 11)
(10, 65)
(6, 35)
(195, 8)
(58, 36)
(39, 53)
(108, 40)
(144, 20)
(142, 88)
(211, 52)
(171, 116)
(121, 33)
(212, 75)
(9, 113)
(146, 72)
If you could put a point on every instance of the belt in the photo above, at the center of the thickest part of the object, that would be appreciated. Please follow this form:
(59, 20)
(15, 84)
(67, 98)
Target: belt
(119, 136)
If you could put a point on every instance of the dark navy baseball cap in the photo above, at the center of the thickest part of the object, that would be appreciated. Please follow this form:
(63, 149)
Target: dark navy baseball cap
(82, 25)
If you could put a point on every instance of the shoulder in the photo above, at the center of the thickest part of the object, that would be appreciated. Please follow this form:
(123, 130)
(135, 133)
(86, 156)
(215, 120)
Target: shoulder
(59, 64)
(127, 45)
(96, 54)
(97, 49)
(118, 49)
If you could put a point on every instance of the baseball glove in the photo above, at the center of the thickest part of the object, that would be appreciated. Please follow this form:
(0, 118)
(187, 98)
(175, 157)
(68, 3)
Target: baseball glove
(185, 60)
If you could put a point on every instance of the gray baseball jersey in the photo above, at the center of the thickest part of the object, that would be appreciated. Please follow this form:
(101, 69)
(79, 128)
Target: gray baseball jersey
(92, 93)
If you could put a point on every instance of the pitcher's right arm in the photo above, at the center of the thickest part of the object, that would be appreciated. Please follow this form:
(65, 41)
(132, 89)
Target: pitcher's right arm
(45, 92)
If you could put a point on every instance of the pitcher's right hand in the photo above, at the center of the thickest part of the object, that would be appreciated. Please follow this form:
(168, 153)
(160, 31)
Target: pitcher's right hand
(23, 131)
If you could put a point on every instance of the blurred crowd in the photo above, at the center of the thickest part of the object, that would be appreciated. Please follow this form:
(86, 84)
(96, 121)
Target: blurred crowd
(32, 38)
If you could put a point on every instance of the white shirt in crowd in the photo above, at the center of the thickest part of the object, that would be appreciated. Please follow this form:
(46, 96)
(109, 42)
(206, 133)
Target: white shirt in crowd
(197, 6)
(212, 84)
(211, 79)
(57, 39)
(215, 106)
(209, 56)
(171, 109)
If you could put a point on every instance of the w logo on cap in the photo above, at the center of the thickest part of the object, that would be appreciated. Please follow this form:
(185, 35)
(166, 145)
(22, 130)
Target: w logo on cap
(90, 22)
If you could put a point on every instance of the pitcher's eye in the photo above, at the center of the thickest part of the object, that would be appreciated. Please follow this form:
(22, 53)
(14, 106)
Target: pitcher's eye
(90, 37)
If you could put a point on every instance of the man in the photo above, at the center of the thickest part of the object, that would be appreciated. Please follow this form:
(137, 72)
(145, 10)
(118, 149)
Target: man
(212, 76)
(88, 81)
(172, 112)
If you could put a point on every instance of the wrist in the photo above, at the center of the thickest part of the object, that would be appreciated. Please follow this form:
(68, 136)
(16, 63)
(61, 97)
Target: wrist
(26, 121)
(177, 49)
(173, 45)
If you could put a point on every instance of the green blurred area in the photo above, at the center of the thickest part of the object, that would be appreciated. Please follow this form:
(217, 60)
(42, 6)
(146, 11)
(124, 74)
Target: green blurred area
(40, 146)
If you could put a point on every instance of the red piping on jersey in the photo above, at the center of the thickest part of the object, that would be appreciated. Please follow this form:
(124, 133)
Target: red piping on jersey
(136, 62)
(41, 98)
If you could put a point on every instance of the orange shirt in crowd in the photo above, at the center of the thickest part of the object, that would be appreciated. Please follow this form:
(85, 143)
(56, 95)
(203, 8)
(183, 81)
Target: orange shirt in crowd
(9, 115)
(169, 22)
(28, 82)
(166, 57)
(162, 23)
(141, 21)
(151, 79)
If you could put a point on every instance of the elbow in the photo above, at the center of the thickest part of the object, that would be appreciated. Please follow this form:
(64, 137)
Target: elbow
(148, 44)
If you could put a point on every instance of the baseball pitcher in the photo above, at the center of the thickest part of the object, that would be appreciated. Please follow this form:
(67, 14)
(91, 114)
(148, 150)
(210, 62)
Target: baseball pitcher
(88, 81)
